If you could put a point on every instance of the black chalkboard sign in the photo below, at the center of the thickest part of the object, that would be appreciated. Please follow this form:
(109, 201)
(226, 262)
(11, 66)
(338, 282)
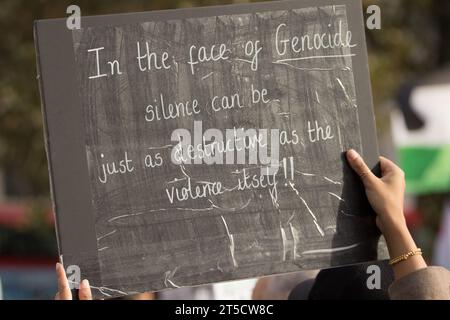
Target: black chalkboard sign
(201, 145)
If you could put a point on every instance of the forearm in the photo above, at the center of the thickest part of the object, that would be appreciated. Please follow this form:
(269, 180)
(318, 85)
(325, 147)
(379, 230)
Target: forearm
(400, 241)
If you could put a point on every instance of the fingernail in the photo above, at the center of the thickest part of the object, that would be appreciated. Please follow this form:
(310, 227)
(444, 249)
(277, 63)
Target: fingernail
(352, 154)
(84, 284)
(57, 266)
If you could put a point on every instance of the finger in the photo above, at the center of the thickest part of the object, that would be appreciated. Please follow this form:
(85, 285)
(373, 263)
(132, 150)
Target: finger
(387, 166)
(64, 292)
(84, 292)
(360, 167)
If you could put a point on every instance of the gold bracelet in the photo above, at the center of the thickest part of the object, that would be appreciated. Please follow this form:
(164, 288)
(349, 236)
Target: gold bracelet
(405, 256)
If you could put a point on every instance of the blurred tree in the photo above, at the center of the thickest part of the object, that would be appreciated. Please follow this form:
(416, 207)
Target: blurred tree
(411, 42)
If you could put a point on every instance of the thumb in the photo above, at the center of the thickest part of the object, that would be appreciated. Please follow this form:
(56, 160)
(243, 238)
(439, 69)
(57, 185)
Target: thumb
(360, 167)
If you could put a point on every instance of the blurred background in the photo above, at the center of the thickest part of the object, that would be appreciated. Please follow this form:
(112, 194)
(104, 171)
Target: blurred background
(409, 64)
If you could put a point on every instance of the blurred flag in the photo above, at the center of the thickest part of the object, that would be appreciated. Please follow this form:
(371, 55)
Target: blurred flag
(421, 132)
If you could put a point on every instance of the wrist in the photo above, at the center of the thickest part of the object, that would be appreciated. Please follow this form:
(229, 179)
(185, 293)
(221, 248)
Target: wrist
(400, 241)
(393, 225)
(396, 230)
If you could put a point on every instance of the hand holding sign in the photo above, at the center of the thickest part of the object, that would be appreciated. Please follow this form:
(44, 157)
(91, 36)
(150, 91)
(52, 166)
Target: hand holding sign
(209, 141)
(64, 292)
